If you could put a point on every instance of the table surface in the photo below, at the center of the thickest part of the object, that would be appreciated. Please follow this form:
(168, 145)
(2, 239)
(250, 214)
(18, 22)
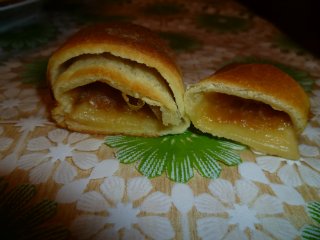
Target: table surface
(71, 185)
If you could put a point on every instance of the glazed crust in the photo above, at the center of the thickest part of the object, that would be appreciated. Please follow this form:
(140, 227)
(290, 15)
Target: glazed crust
(262, 83)
(266, 83)
(136, 54)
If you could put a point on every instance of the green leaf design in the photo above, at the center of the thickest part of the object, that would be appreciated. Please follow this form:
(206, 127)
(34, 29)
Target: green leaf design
(39, 213)
(3, 186)
(50, 233)
(21, 218)
(85, 18)
(83, 13)
(304, 78)
(35, 72)
(311, 232)
(27, 37)
(313, 209)
(163, 8)
(180, 41)
(301, 76)
(286, 44)
(178, 155)
(115, 1)
(13, 202)
(222, 23)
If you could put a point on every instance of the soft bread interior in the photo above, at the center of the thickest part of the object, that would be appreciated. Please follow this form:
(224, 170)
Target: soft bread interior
(95, 92)
(244, 120)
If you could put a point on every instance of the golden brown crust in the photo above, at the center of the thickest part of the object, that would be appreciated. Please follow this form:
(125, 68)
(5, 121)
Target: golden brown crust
(121, 39)
(266, 83)
(140, 66)
(259, 82)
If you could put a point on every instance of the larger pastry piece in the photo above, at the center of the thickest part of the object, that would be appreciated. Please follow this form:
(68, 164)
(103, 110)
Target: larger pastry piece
(117, 79)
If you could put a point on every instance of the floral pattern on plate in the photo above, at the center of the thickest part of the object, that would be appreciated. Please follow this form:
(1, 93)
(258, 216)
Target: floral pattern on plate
(122, 212)
(59, 147)
(245, 209)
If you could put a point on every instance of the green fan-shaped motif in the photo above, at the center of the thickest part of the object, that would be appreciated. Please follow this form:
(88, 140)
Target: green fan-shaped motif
(286, 44)
(88, 17)
(35, 72)
(83, 13)
(163, 8)
(312, 232)
(222, 23)
(301, 76)
(179, 41)
(178, 155)
(115, 1)
(313, 209)
(21, 219)
(27, 37)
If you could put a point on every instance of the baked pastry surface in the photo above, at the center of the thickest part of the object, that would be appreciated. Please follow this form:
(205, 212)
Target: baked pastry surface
(255, 104)
(117, 79)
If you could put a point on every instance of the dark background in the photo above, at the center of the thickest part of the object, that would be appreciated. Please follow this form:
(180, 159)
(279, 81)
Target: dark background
(299, 20)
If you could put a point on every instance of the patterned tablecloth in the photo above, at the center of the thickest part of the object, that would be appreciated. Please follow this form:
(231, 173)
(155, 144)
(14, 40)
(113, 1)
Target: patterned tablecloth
(61, 184)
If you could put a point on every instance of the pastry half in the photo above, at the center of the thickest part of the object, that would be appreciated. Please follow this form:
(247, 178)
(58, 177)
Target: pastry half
(255, 104)
(117, 79)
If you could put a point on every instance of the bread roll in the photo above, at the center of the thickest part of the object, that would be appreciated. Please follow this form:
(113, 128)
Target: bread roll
(255, 104)
(117, 79)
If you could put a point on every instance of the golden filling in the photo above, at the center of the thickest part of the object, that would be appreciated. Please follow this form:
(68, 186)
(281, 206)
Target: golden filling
(98, 106)
(102, 97)
(246, 113)
(247, 121)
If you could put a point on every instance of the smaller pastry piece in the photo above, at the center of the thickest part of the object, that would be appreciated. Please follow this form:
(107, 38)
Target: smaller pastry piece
(255, 104)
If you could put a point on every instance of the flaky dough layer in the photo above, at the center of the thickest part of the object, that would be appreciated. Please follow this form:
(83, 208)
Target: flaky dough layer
(132, 61)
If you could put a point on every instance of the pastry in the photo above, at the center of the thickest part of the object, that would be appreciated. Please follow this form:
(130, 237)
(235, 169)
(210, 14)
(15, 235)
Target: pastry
(117, 78)
(255, 104)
